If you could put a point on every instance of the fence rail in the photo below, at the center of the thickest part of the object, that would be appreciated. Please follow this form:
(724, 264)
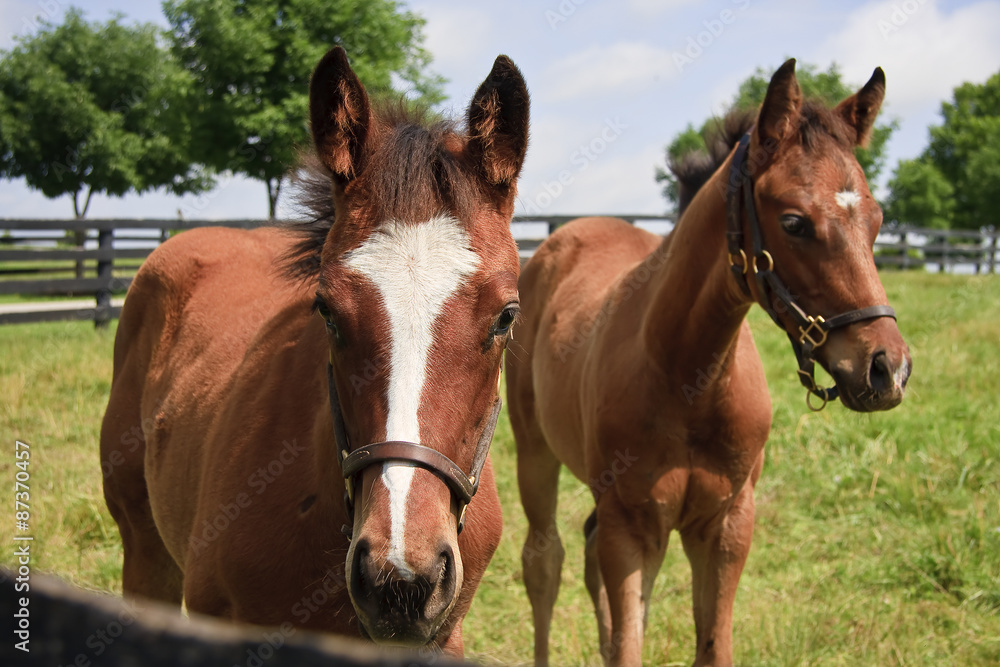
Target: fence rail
(47, 258)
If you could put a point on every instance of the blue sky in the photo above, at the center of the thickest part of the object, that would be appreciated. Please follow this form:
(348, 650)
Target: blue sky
(613, 82)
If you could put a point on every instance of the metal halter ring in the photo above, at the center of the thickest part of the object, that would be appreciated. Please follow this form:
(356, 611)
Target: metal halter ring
(813, 390)
(770, 261)
(743, 258)
(822, 405)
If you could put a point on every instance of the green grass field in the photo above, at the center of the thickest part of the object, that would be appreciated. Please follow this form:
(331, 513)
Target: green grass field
(877, 540)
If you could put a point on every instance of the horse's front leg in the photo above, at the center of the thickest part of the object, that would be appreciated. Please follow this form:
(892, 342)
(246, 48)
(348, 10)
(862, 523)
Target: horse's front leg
(630, 542)
(717, 552)
(452, 646)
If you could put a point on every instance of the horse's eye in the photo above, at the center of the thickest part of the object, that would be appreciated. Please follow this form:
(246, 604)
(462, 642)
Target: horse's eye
(324, 312)
(794, 225)
(505, 321)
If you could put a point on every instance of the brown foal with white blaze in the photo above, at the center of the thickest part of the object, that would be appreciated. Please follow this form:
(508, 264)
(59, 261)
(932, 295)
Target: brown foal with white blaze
(299, 418)
(638, 360)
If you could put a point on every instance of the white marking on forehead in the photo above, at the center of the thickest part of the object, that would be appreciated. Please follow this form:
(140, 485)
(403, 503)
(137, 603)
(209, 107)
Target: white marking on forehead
(847, 199)
(416, 268)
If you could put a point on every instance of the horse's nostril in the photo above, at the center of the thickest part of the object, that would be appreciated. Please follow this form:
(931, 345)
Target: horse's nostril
(444, 559)
(362, 580)
(880, 373)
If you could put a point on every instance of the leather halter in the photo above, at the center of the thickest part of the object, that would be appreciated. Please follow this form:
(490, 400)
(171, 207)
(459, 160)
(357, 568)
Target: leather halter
(812, 331)
(463, 486)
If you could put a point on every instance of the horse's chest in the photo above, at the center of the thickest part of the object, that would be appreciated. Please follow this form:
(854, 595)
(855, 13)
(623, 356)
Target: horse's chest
(689, 471)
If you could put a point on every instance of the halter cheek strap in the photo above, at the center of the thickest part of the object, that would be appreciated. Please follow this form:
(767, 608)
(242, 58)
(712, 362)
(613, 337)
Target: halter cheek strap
(352, 463)
(812, 330)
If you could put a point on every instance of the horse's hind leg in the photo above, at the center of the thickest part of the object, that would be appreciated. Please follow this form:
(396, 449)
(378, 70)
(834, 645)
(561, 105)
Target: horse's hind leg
(148, 571)
(595, 586)
(542, 555)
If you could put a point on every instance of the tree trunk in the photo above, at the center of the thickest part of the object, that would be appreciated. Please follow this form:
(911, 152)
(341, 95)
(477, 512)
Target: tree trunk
(79, 235)
(272, 197)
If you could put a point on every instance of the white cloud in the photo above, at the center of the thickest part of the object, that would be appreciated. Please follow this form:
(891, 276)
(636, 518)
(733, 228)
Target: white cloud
(924, 51)
(619, 178)
(601, 70)
(21, 18)
(651, 8)
(622, 183)
(455, 35)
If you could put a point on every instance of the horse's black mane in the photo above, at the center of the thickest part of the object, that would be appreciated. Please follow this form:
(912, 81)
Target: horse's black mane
(693, 170)
(408, 172)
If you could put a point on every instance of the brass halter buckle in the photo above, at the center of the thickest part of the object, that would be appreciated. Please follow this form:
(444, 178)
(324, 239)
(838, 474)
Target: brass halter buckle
(815, 326)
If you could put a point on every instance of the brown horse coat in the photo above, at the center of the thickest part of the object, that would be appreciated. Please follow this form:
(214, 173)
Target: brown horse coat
(639, 372)
(224, 476)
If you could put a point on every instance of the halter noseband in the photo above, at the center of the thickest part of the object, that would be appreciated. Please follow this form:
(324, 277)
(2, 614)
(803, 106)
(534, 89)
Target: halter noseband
(352, 463)
(812, 330)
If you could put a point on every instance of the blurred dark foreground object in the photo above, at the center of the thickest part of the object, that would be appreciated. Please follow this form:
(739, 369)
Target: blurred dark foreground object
(67, 626)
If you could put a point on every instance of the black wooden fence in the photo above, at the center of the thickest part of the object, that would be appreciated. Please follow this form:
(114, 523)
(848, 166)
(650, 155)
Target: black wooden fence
(41, 258)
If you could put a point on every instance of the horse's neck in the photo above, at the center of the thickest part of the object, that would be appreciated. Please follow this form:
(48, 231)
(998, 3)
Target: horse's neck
(696, 307)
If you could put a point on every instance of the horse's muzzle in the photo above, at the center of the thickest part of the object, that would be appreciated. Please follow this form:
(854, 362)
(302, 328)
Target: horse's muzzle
(403, 606)
(879, 384)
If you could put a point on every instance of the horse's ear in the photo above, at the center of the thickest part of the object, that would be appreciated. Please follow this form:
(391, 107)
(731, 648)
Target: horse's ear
(781, 105)
(860, 109)
(498, 123)
(340, 113)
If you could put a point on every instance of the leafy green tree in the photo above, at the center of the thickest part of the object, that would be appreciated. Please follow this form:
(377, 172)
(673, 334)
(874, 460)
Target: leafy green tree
(826, 86)
(95, 108)
(252, 60)
(966, 150)
(920, 195)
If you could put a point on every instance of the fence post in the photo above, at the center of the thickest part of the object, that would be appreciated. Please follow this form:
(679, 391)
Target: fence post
(906, 250)
(993, 251)
(102, 311)
(980, 253)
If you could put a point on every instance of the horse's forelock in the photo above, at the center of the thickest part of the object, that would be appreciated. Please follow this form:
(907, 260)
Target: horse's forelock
(413, 171)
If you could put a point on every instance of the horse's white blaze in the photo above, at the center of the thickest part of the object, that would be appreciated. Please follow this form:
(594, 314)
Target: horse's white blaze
(416, 268)
(397, 477)
(847, 199)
